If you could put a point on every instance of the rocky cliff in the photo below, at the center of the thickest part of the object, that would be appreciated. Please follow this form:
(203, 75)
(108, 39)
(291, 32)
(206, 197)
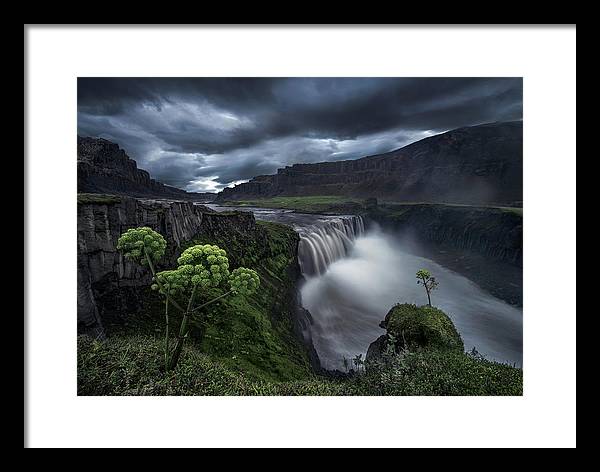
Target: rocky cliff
(103, 167)
(485, 244)
(496, 233)
(261, 334)
(479, 164)
(106, 282)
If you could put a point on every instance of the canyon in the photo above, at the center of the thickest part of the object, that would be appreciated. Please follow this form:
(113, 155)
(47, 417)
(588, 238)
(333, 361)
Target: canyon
(304, 259)
(472, 165)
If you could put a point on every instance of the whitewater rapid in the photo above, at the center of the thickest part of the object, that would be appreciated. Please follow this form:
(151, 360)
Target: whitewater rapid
(323, 243)
(352, 295)
(353, 276)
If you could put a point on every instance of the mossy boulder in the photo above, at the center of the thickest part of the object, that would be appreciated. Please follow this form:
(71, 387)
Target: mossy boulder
(415, 327)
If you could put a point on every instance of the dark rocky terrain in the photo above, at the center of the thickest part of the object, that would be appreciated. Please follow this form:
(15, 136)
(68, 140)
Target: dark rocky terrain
(113, 293)
(103, 167)
(479, 164)
(107, 283)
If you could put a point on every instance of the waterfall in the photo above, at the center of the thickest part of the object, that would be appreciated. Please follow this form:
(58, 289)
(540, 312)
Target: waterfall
(326, 242)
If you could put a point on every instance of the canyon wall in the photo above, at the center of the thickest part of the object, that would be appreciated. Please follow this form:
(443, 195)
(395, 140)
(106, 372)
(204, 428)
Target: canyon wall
(483, 244)
(109, 284)
(103, 167)
(495, 233)
(480, 164)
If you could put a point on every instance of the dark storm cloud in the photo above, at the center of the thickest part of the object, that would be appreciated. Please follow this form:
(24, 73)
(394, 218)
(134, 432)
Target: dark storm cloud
(210, 132)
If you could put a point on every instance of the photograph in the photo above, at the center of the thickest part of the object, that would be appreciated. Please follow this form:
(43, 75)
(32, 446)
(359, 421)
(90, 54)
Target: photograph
(300, 236)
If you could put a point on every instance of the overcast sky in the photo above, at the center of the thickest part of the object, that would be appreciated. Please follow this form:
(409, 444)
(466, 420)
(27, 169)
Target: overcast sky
(203, 134)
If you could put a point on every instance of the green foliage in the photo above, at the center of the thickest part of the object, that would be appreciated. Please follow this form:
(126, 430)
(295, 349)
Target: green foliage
(128, 365)
(244, 281)
(308, 204)
(424, 278)
(254, 333)
(424, 327)
(97, 198)
(171, 282)
(202, 266)
(139, 243)
(440, 373)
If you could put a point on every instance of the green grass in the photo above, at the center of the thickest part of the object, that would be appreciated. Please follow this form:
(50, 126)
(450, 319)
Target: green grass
(309, 204)
(100, 198)
(400, 207)
(442, 373)
(248, 346)
(515, 210)
(253, 335)
(132, 365)
(340, 203)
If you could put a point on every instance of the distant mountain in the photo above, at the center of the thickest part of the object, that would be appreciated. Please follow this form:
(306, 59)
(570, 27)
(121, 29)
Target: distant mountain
(103, 167)
(476, 165)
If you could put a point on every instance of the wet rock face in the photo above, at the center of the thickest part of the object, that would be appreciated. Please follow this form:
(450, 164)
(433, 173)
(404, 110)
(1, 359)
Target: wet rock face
(376, 349)
(103, 167)
(494, 233)
(480, 164)
(107, 283)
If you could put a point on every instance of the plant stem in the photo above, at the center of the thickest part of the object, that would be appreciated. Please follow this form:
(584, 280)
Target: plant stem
(173, 302)
(167, 334)
(183, 331)
(427, 290)
(211, 301)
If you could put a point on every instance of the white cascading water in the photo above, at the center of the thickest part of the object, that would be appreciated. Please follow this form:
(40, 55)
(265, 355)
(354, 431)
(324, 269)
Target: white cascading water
(353, 277)
(324, 243)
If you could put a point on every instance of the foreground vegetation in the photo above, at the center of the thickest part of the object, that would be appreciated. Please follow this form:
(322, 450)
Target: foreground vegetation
(422, 354)
(247, 346)
(129, 365)
(201, 279)
(254, 334)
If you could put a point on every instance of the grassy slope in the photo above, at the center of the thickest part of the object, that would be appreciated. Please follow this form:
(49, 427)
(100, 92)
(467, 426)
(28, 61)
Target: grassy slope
(131, 365)
(332, 203)
(253, 335)
(309, 204)
(83, 198)
(249, 349)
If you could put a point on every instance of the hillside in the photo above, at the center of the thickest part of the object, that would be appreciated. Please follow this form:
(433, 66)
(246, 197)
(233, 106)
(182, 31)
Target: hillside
(479, 164)
(103, 167)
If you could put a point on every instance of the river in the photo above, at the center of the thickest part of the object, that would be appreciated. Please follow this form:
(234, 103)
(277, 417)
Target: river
(353, 275)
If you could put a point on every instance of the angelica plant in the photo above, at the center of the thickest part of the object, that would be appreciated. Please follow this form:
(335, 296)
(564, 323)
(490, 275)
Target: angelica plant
(425, 278)
(202, 272)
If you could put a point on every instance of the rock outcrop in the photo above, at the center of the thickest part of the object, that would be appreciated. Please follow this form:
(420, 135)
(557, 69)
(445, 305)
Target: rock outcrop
(495, 233)
(107, 283)
(410, 328)
(479, 164)
(103, 167)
